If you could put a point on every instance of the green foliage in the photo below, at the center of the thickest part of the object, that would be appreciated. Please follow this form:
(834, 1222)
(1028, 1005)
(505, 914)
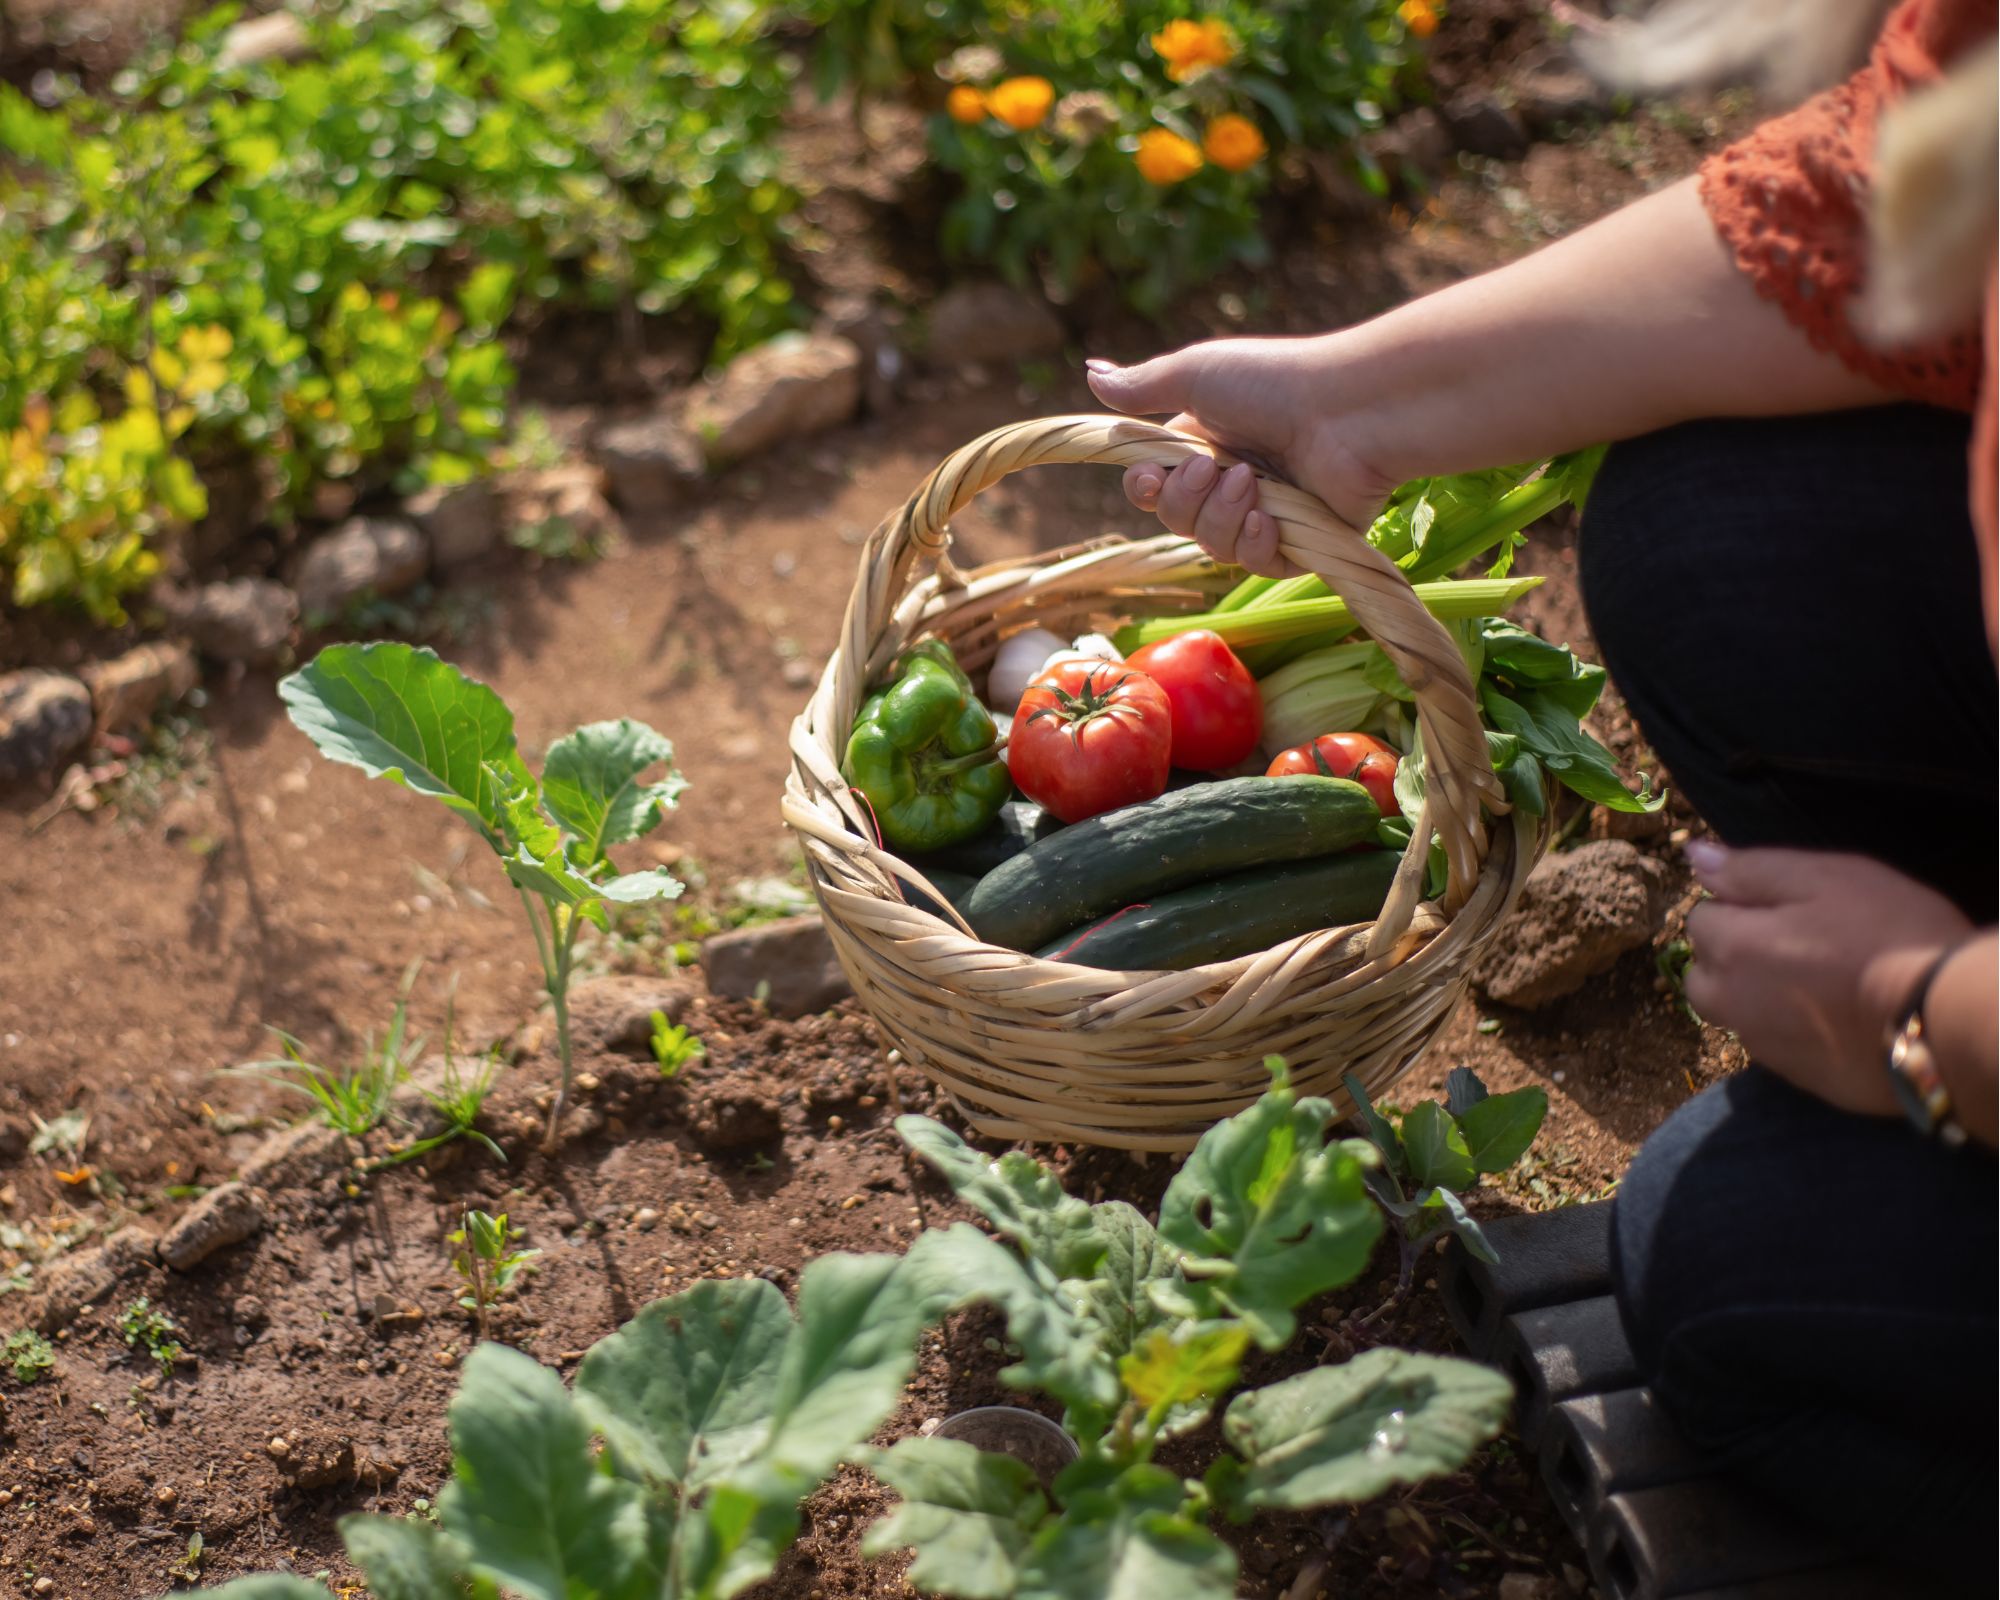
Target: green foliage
(29, 1354)
(674, 1047)
(458, 1100)
(1066, 196)
(310, 261)
(484, 1257)
(400, 713)
(1440, 1150)
(1140, 1333)
(145, 1326)
(355, 1097)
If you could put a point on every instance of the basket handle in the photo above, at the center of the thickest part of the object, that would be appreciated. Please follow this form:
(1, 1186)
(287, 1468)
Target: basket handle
(1458, 769)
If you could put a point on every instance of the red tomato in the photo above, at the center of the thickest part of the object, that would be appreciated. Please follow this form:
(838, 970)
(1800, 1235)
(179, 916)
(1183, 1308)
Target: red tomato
(1089, 737)
(1366, 760)
(1218, 714)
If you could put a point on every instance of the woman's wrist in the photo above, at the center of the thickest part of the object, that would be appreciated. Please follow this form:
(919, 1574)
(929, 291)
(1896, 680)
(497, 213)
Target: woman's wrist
(1962, 1028)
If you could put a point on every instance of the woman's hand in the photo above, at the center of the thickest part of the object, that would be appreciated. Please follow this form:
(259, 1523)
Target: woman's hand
(1266, 400)
(1809, 958)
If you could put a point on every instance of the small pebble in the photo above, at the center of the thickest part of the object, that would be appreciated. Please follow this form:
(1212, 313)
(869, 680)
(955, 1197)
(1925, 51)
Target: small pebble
(587, 1082)
(835, 1124)
(165, 1495)
(280, 1447)
(646, 1220)
(45, 1586)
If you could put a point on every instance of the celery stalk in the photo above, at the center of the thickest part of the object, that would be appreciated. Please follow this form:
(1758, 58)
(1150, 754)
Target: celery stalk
(1247, 593)
(1447, 600)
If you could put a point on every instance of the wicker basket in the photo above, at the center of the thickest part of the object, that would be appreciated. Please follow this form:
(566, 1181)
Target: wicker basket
(1034, 1049)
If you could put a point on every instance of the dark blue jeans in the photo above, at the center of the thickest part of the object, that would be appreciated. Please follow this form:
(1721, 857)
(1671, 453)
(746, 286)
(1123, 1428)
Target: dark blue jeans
(1791, 609)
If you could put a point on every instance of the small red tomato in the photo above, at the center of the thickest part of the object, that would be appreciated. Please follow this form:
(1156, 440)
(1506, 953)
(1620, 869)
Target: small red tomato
(1089, 737)
(1357, 756)
(1218, 713)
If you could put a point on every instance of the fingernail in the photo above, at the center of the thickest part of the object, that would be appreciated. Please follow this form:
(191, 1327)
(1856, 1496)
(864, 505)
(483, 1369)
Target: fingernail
(1236, 482)
(1146, 486)
(1706, 856)
(1253, 524)
(1099, 364)
(1199, 473)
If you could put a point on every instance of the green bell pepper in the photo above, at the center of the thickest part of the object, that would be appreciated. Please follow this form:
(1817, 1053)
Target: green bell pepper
(923, 752)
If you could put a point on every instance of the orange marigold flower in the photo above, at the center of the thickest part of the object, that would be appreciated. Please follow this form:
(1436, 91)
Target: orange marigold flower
(1191, 48)
(1164, 157)
(1021, 103)
(1233, 143)
(1419, 16)
(966, 104)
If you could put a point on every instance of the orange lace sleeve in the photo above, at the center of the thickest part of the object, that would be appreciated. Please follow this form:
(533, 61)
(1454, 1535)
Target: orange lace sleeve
(1791, 202)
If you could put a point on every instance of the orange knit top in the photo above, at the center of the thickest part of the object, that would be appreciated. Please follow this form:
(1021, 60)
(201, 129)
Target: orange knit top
(1791, 201)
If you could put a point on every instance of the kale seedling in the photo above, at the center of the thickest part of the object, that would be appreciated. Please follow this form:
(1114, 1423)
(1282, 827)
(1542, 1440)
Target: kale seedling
(673, 1046)
(143, 1325)
(398, 712)
(1438, 1152)
(482, 1257)
(29, 1354)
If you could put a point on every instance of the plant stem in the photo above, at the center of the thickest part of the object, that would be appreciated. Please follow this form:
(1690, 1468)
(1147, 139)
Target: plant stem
(565, 951)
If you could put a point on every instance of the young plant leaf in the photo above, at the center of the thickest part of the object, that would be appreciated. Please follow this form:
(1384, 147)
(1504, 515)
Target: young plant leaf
(1116, 1299)
(590, 783)
(1017, 1194)
(1340, 1435)
(1126, 1538)
(405, 1560)
(269, 1586)
(969, 1514)
(526, 1496)
(400, 713)
(844, 1369)
(1461, 1222)
(557, 879)
(1436, 1148)
(742, 1525)
(1265, 1215)
(1499, 1129)
(1184, 1368)
(683, 1391)
(955, 1266)
(1381, 1133)
(1554, 736)
(1462, 1088)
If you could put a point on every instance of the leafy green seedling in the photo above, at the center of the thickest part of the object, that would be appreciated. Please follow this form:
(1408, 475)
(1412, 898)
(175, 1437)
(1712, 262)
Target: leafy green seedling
(1672, 964)
(352, 1098)
(29, 1354)
(190, 1562)
(1440, 1151)
(675, 1468)
(398, 712)
(1140, 1332)
(146, 1326)
(483, 1256)
(673, 1046)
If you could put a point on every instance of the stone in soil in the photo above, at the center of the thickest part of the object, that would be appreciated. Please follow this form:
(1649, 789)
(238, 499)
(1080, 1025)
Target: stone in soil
(651, 463)
(990, 322)
(222, 1217)
(617, 1011)
(797, 384)
(299, 1158)
(790, 962)
(312, 1456)
(363, 556)
(44, 716)
(1482, 126)
(1579, 912)
(128, 689)
(461, 520)
(244, 619)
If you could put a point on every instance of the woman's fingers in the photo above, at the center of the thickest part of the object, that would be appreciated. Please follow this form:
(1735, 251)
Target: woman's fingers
(1219, 519)
(1181, 497)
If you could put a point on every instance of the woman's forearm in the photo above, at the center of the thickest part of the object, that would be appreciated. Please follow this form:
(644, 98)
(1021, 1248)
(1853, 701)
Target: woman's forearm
(1962, 1025)
(1637, 322)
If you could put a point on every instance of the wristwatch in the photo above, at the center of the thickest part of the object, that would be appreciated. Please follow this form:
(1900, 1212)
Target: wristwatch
(1913, 1071)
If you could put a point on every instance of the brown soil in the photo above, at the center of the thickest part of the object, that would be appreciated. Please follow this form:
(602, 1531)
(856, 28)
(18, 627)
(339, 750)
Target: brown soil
(243, 882)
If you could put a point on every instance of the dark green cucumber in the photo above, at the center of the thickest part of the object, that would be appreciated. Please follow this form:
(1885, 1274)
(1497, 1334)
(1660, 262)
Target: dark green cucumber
(1160, 845)
(1233, 916)
(1020, 824)
(954, 886)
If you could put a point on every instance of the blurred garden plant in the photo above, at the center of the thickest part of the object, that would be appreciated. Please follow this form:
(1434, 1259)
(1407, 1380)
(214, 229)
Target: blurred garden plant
(1125, 140)
(299, 269)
